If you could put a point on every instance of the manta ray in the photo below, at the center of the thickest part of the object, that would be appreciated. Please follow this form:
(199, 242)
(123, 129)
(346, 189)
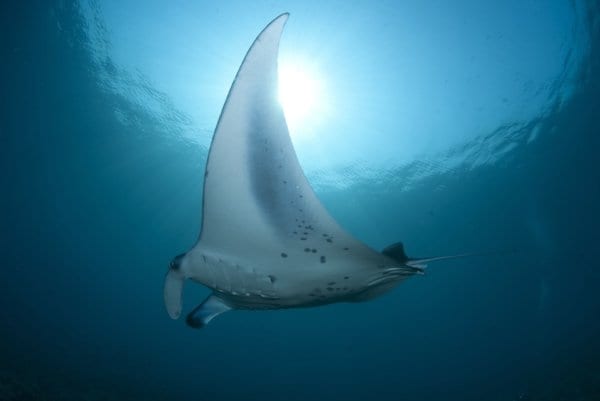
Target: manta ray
(266, 241)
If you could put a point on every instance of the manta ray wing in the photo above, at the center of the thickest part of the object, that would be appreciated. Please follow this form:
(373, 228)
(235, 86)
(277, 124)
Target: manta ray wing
(255, 192)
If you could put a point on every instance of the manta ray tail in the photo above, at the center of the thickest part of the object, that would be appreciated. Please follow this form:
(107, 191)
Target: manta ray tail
(396, 252)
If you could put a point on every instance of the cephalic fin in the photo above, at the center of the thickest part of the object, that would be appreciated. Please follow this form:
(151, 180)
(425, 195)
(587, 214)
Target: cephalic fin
(173, 292)
(210, 308)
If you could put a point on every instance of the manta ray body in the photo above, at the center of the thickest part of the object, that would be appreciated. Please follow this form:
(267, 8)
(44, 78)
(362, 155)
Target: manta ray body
(266, 240)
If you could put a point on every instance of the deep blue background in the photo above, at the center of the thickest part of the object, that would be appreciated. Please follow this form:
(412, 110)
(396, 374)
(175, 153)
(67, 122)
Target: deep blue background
(93, 209)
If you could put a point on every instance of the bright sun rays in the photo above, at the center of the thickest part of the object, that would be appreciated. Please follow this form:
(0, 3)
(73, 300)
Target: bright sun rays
(301, 95)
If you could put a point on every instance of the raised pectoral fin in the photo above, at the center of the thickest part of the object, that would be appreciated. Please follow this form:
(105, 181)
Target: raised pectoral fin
(212, 307)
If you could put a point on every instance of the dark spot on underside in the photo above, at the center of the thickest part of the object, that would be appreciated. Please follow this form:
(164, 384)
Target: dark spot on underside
(329, 240)
(323, 259)
(283, 255)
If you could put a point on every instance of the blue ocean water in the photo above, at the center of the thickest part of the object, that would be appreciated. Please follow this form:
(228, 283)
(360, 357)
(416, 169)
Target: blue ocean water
(454, 128)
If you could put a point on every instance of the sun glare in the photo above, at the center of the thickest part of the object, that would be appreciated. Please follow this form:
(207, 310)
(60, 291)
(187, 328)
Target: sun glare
(299, 94)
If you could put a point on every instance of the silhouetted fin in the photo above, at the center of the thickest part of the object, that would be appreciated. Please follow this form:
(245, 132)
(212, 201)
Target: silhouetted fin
(396, 252)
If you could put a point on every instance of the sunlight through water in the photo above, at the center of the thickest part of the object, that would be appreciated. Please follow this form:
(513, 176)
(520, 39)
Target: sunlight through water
(300, 94)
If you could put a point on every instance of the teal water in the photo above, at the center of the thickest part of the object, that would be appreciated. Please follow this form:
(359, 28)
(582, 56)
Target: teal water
(470, 127)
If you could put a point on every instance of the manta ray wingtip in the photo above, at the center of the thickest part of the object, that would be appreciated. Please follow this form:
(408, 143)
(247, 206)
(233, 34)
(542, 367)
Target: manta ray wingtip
(281, 18)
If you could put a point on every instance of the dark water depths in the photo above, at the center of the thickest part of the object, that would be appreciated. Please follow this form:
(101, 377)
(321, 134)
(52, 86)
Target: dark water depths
(95, 204)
